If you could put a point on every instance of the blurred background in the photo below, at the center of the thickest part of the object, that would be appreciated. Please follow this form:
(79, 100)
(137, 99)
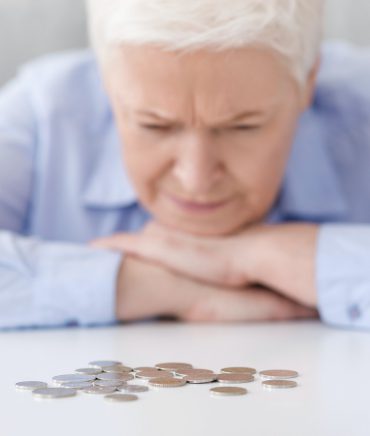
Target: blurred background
(29, 28)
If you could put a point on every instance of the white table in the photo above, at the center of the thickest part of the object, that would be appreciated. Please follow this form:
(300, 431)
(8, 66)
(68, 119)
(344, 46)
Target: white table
(332, 398)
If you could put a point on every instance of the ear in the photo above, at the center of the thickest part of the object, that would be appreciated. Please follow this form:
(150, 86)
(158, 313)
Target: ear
(309, 88)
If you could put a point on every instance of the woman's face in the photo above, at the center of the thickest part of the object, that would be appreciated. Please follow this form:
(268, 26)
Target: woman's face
(206, 134)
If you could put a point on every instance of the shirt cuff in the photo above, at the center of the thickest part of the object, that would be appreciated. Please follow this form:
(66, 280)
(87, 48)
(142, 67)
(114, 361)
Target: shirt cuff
(343, 275)
(76, 286)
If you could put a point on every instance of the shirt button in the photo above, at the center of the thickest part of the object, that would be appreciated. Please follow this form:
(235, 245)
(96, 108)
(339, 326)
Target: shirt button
(354, 312)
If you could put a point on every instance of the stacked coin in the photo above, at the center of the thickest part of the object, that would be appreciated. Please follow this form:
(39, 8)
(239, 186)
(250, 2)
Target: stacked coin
(112, 378)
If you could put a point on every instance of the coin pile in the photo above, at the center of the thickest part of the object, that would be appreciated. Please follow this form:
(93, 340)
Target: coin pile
(112, 379)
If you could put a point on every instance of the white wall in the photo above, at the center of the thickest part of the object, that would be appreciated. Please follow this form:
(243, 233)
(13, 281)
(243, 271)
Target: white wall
(348, 19)
(29, 28)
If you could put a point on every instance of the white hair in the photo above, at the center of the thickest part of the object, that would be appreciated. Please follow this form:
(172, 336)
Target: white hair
(293, 28)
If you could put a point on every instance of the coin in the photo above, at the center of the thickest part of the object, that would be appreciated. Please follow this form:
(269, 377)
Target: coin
(66, 378)
(104, 363)
(117, 369)
(30, 385)
(226, 391)
(167, 382)
(235, 378)
(145, 368)
(200, 378)
(172, 366)
(279, 384)
(99, 390)
(76, 385)
(133, 389)
(272, 374)
(239, 370)
(54, 393)
(149, 374)
(109, 383)
(124, 377)
(193, 371)
(120, 398)
(88, 371)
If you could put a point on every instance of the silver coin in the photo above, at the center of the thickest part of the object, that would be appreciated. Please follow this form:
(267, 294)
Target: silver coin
(145, 368)
(227, 391)
(118, 369)
(193, 371)
(76, 385)
(30, 385)
(173, 366)
(120, 398)
(239, 370)
(272, 374)
(279, 384)
(200, 378)
(124, 377)
(104, 363)
(99, 390)
(234, 378)
(167, 382)
(88, 371)
(54, 393)
(67, 378)
(133, 389)
(109, 383)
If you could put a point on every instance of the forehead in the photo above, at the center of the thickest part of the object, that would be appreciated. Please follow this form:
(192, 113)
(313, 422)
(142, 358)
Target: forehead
(228, 80)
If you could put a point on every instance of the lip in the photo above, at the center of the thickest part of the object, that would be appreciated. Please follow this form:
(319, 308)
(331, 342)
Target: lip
(193, 206)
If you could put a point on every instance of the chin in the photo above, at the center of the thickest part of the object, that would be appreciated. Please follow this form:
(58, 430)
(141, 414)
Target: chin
(204, 230)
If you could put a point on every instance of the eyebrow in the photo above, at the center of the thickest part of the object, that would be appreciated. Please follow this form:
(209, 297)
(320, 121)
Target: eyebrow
(237, 117)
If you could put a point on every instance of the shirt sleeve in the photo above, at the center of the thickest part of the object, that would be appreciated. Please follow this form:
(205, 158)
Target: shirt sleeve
(55, 284)
(343, 275)
(42, 283)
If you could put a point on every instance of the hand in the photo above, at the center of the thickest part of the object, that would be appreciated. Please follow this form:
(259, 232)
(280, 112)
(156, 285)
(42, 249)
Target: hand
(212, 260)
(145, 290)
(280, 257)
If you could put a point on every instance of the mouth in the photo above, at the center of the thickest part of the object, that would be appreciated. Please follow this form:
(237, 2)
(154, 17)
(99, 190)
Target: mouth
(195, 206)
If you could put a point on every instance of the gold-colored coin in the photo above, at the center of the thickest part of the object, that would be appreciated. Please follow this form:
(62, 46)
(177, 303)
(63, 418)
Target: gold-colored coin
(173, 366)
(167, 382)
(272, 374)
(279, 384)
(239, 370)
(235, 378)
(200, 378)
(228, 391)
(193, 371)
(121, 398)
(149, 374)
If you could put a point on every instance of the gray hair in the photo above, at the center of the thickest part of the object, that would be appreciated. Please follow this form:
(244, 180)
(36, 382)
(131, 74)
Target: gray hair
(292, 28)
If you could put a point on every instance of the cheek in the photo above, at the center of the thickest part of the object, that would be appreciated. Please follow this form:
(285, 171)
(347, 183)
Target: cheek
(258, 166)
(145, 165)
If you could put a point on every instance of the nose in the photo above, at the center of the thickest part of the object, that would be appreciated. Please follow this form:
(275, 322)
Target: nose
(197, 166)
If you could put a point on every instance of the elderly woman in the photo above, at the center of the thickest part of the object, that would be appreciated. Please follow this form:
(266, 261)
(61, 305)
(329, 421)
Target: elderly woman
(202, 164)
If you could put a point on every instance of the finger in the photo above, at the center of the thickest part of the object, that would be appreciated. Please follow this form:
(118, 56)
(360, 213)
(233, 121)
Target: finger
(119, 242)
(197, 260)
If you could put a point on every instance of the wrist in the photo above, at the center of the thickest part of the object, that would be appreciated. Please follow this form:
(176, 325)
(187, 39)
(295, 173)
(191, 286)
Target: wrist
(284, 260)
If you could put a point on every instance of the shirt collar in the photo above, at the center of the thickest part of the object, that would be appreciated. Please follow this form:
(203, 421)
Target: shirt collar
(311, 188)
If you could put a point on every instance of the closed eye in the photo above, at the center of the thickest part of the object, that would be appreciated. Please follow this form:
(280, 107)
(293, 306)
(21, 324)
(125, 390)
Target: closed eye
(245, 127)
(155, 127)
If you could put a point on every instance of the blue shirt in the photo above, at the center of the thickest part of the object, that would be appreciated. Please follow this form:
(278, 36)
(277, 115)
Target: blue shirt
(63, 183)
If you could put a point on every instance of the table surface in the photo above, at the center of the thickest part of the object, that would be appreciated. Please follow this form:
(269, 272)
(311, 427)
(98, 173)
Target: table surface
(331, 399)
